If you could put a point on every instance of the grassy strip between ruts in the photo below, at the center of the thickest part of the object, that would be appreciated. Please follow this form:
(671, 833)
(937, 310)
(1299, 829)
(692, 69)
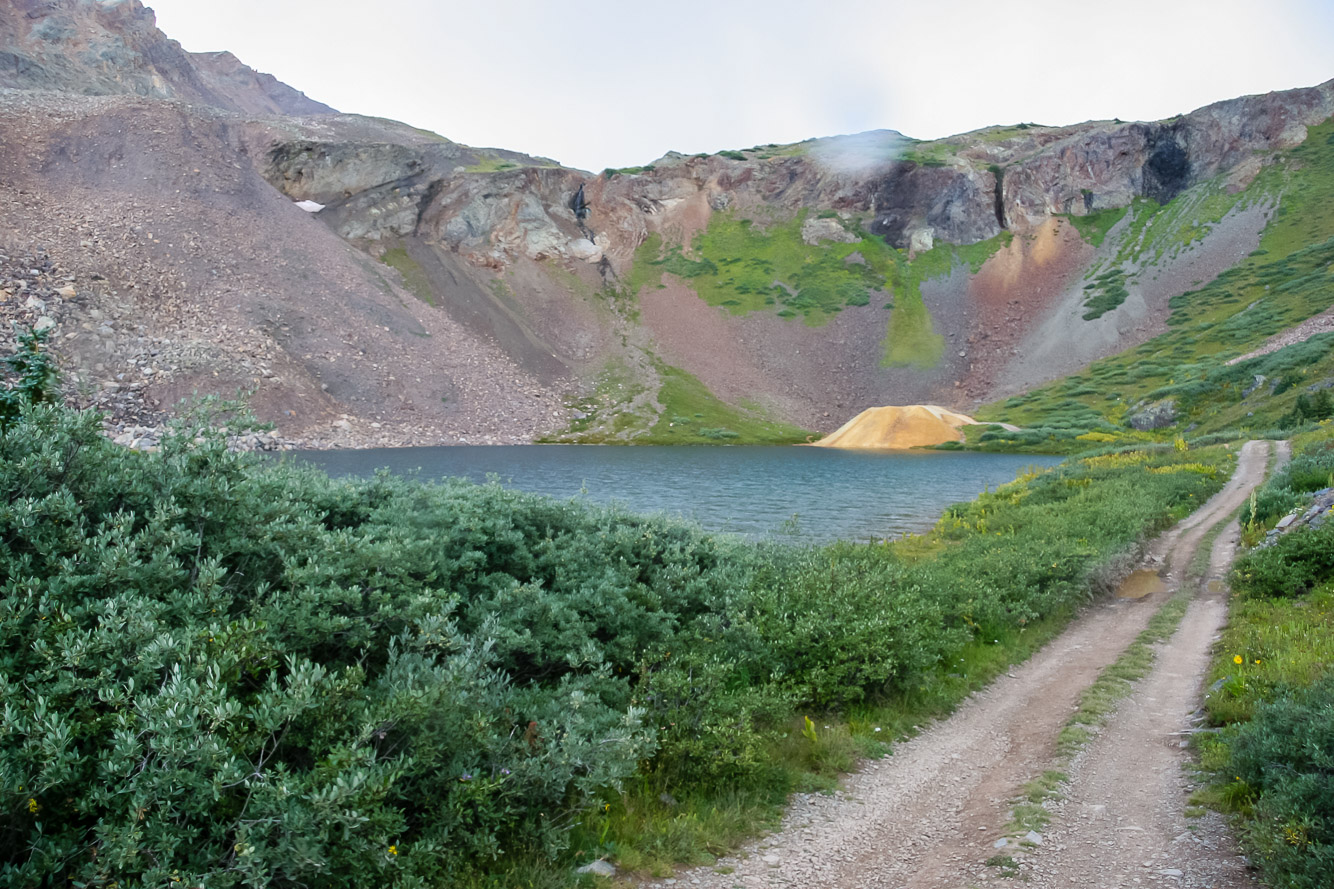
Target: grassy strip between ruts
(1097, 705)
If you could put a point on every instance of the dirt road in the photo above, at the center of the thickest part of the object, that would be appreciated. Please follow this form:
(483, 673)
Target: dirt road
(932, 814)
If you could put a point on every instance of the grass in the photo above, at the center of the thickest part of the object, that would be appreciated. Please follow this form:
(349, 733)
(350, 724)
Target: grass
(686, 413)
(1271, 651)
(414, 276)
(613, 172)
(912, 340)
(1093, 227)
(937, 153)
(691, 414)
(1288, 279)
(1105, 293)
(490, 163)
(743, 267)
(1281, 643)
(609, 415)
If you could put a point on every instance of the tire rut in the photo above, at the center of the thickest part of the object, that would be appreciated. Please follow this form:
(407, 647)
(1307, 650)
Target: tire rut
(928, 816)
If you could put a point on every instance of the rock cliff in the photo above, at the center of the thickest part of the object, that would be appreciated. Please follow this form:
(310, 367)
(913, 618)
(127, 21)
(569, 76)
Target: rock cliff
(114, 47)
(447, 293)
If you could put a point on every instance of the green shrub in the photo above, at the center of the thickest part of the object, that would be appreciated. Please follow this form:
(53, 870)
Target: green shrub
(1306, 472)
(229, 672)
(1285, 756)
(26, 377)
(1293, 566)
(847, 624)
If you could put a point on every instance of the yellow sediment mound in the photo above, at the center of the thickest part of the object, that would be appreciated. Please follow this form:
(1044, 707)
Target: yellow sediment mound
(911, 426)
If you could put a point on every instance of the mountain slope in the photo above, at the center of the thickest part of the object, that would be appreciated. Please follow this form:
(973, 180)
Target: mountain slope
(450, 293)
(1206, 372)
(113, 47)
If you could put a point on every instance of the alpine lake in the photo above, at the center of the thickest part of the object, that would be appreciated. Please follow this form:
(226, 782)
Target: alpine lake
(801, 494)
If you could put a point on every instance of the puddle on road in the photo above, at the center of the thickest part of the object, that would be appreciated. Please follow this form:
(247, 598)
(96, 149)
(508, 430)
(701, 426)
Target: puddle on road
(1216, 586)
(1140, 584)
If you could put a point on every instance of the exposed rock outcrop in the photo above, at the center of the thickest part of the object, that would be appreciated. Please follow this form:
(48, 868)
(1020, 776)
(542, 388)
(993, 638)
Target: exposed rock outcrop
(960, 191)
(100, 48)
(447, 293)
(1156, 415)
(896, 428)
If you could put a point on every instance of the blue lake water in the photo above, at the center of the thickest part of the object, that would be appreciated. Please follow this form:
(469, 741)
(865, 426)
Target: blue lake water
(814, 494)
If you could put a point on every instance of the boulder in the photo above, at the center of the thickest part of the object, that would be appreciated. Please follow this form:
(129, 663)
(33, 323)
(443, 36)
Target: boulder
(1154, 416)
(816, 231)
(582, 248)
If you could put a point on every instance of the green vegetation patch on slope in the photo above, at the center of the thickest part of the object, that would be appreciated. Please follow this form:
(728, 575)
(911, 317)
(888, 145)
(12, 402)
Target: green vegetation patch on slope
(742, 267)
(1272, 692)
(684, 411)
(414, 276)
(1093, 227)
(912, 340)
(691, 414)
(1106, 292)
(1287, 280)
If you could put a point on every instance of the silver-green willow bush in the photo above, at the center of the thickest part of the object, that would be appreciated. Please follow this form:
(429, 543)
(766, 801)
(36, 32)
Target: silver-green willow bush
(225, 672)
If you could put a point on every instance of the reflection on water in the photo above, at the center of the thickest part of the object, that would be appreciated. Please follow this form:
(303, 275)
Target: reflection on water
(814, 494)
(1140, 584)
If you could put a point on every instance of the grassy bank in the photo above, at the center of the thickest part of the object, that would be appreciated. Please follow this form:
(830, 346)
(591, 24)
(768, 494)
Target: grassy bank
(1272, 688)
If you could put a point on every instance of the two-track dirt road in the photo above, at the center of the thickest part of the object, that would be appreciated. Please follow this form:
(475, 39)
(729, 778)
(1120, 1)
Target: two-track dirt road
(930, 815)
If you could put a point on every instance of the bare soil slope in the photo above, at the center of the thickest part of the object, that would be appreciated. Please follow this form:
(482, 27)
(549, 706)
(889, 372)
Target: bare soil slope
(913, 426)
(194, 274)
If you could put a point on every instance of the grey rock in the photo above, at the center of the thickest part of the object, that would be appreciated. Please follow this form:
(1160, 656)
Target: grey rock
(815, 231)
(582, 248)
(599, 868)
(1156, 415)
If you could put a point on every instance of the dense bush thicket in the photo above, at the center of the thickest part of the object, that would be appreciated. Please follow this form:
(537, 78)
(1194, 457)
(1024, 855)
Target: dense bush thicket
(227, 672)
(1285, 755)
(1296, 564)
(1311, 470)
(1275, 764)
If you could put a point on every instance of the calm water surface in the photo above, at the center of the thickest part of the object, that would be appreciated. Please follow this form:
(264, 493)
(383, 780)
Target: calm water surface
(756, 491)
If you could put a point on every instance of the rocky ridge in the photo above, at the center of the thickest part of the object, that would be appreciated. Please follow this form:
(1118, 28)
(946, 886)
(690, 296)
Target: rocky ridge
(115, 48)
(445, 293)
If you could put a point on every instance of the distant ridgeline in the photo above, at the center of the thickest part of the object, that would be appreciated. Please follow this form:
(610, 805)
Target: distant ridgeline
(439, 293)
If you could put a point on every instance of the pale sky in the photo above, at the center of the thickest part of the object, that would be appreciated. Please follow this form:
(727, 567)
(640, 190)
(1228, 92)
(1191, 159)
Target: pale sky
(610, 83)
